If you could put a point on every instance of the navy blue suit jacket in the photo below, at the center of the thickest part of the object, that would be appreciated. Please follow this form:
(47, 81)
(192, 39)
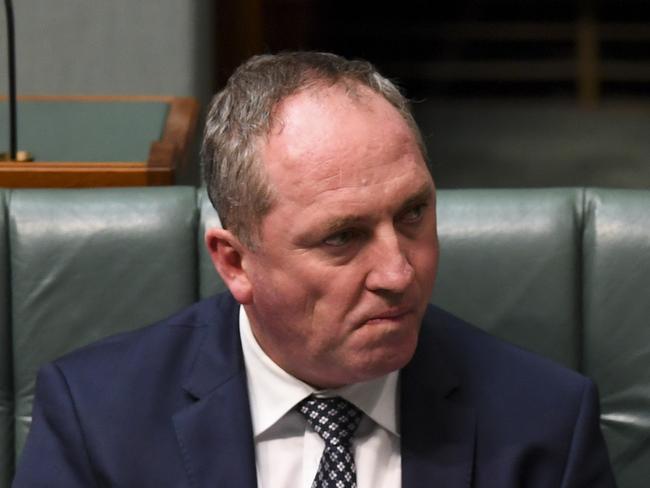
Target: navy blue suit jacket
(167, 406)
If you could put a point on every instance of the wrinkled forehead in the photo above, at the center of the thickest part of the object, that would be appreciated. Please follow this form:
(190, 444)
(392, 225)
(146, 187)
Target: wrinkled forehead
(319, 89)
(310, 118)
(329, 136)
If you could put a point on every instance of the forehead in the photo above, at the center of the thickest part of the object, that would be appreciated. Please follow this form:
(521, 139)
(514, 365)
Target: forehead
(327, 137)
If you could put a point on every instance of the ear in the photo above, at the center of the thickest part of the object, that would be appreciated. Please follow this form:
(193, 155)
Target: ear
(227, 253)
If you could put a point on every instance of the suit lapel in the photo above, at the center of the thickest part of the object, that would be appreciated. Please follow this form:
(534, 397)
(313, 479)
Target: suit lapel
(438, 431)
(214, 432)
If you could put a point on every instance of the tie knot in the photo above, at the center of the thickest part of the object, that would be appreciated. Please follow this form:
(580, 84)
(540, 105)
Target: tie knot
(334, 419)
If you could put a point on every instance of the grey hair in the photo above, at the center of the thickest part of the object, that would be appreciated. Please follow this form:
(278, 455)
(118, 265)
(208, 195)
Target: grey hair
(241, 115)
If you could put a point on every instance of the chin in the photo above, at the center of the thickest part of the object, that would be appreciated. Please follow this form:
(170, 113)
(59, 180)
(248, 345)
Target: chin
(369, 359)
(381, 363)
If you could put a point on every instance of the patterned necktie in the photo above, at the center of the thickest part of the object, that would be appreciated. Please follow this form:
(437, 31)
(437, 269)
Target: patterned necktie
(334, 420)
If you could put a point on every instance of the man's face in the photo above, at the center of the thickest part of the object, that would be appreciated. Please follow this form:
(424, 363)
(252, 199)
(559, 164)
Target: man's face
(348, 253)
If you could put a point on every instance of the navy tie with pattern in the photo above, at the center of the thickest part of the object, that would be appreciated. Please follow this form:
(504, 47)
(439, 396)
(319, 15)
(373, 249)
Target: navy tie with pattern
(334, 420)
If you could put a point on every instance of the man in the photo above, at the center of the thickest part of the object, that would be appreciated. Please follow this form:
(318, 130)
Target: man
(323, 365)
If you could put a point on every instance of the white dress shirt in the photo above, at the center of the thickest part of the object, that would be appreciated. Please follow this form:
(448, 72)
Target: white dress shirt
(287, 451)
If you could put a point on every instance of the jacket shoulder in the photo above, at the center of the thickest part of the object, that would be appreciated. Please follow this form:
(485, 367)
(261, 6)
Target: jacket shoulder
(475, 354)
(504, 382)
(107, 370)
(155, 341)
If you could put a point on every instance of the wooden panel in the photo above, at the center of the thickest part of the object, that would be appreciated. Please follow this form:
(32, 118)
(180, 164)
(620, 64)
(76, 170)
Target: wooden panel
(81, 175)
(179, 131)
(166, 156)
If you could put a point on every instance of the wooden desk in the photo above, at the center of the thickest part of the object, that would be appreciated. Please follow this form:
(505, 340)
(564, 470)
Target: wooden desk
(92, 141)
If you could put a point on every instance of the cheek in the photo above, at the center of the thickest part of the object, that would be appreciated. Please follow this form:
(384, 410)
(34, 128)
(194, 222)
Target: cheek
(289, 297)
(306, 300)
(278, 295)
(425, 262)
(337, 297)
(341, 288)
(430, 258)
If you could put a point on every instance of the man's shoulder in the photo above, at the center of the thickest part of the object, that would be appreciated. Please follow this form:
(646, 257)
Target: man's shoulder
(152, 346)
(118, 397)
(483, 362)
(524, 413)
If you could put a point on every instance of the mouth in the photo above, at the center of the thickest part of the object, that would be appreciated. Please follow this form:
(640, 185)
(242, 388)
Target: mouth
(394, 314)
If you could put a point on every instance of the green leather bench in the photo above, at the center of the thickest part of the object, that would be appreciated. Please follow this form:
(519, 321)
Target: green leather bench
(564, 272)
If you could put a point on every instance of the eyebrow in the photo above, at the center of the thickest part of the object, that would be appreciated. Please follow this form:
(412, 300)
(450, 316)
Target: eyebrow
(423, 194)
(341, 223)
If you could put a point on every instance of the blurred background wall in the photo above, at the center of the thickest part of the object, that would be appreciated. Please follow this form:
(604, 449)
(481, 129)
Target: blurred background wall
(116, 47)
(508, 92)
(126, 47)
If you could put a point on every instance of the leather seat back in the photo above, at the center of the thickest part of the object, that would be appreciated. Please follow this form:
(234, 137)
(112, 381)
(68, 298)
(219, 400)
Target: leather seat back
(616, 290)
(510, 263)
(564, 272)
(89, 263)
(6, 386)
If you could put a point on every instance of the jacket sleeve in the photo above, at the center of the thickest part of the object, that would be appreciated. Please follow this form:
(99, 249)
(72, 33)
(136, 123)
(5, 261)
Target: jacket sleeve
(55, 454)
(588, 464)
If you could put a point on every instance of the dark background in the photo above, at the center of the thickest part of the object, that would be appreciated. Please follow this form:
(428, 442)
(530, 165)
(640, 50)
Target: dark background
(508, 93)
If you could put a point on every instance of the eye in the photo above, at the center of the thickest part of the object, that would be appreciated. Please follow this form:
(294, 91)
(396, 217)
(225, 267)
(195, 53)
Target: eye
(414, 214)
(340, 239)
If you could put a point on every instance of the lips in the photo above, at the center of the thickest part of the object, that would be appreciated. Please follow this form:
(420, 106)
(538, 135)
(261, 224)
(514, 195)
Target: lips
(394, 313)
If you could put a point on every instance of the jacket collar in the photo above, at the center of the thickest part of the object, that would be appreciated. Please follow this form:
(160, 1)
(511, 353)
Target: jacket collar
(216, 436)
(214, 432)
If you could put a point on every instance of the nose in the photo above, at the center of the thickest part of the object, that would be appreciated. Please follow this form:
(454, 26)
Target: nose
(390, 269)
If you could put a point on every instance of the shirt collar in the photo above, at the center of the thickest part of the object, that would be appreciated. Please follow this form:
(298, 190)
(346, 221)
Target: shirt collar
(273, 392)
